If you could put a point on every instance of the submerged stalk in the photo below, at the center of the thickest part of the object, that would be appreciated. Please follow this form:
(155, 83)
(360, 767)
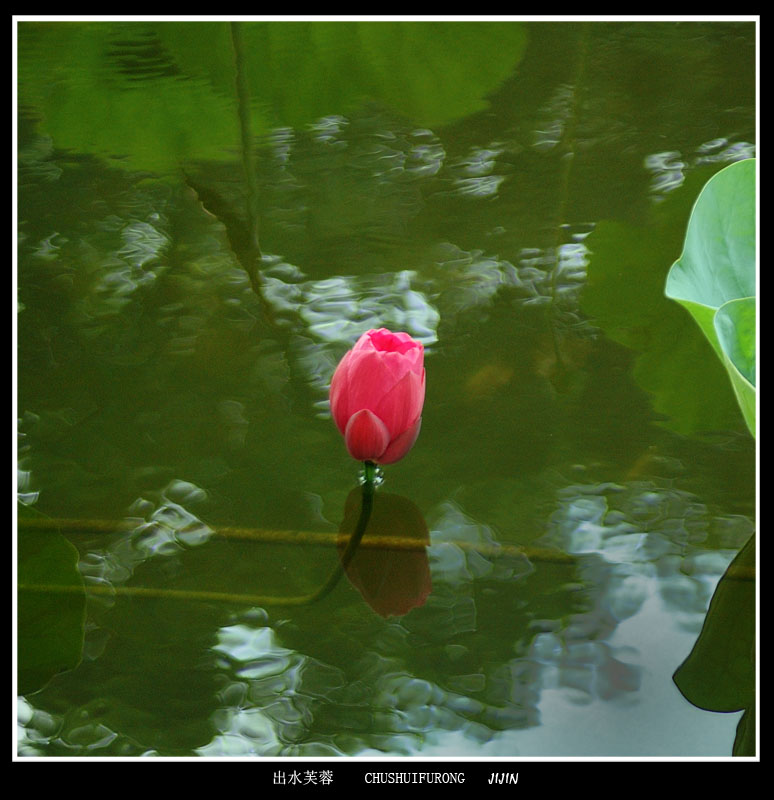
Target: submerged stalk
(243, 103)
(258, 600)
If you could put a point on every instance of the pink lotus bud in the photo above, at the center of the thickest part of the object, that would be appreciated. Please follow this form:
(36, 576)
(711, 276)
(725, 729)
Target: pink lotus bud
(377, 393)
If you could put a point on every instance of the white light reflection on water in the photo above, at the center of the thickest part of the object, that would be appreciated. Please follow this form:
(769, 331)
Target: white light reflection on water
(643, 548)
(603, 678)
(266, 705)
(165, 527)
(668, 169)
(341, 308)
(664, 726)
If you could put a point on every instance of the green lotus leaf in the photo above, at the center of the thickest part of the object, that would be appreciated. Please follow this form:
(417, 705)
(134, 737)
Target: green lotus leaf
(714, 278)
(719, 673)
(624, 295)
(152, 95)
(735, 329)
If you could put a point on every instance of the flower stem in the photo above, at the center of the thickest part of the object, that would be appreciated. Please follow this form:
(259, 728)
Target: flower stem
(369, 476)
(367, 505)
(352, 545)
(354, 541)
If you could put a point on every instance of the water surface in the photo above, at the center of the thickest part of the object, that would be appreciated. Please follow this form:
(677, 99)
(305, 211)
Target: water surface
(512, 195)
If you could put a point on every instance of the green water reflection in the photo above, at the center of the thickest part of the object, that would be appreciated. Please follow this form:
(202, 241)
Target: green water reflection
(583, 473)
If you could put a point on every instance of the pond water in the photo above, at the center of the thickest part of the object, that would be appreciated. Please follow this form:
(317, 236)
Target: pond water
(209, 215)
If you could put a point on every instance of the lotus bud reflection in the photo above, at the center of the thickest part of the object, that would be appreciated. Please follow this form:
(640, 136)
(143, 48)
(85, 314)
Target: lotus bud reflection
(390, 568)
(377, 394)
